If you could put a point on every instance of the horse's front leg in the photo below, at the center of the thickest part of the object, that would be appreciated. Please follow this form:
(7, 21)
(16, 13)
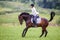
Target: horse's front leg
(24, 32)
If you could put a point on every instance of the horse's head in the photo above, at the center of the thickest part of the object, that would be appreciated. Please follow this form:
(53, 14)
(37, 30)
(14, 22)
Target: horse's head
(20, 19)
(22, 16)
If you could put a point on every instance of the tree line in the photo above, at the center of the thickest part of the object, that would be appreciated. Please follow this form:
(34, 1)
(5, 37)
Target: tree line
(41, 3)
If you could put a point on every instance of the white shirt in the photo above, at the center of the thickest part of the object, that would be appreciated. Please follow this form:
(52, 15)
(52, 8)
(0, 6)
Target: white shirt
(34, 12)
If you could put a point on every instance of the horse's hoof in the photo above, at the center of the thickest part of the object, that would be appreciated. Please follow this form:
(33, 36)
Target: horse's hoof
(40, 36)
(44, 36)
(23, 36)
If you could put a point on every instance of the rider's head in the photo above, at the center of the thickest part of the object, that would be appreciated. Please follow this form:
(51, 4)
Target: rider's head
(32, 5)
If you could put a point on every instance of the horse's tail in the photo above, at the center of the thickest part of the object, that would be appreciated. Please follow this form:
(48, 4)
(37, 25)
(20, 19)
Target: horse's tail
(52, 16)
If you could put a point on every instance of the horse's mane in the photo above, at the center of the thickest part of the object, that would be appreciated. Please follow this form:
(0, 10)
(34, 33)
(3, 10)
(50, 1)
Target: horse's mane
(24, 13)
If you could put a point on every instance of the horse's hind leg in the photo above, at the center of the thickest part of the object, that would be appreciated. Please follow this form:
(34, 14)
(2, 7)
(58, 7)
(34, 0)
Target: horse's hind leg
(43, 30)
(46, 33)
(42, 33)
(24, 32)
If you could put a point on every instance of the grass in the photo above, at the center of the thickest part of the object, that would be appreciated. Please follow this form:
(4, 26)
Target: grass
(10, 29)
(8, 18)
(13, 32)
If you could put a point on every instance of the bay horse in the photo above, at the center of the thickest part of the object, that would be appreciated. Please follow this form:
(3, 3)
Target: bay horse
(27, 18)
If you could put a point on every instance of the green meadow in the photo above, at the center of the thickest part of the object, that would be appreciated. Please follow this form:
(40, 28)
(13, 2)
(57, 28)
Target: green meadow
(10, 29)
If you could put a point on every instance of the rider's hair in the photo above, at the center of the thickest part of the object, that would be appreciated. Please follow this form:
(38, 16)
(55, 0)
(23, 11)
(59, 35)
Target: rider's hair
(32, 5)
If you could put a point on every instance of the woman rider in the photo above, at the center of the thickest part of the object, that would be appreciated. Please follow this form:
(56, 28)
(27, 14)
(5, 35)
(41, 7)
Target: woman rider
(34, 13)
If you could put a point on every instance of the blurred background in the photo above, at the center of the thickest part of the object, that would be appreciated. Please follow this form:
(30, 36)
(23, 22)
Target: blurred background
(10, 29)
(18, 6)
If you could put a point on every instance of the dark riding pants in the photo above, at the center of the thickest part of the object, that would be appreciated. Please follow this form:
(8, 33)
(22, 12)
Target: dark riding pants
(35, 19)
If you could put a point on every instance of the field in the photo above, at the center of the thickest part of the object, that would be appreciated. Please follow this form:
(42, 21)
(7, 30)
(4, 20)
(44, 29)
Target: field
(12, 32)
(10, 29)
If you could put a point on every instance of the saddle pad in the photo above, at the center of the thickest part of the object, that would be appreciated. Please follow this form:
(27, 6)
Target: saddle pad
(38, 20)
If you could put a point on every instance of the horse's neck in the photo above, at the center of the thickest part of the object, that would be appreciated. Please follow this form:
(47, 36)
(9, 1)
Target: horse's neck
(26, 17)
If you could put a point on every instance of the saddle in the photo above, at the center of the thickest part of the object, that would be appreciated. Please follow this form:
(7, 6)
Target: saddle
(36, 21)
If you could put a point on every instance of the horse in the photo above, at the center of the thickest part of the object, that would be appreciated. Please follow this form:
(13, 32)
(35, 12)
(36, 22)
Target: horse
(43, 24)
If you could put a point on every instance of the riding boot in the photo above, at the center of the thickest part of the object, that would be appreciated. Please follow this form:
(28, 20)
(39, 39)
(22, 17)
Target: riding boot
(34, 23)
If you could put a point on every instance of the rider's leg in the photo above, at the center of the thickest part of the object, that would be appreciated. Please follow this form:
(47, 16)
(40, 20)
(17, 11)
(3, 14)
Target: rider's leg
(34, 20)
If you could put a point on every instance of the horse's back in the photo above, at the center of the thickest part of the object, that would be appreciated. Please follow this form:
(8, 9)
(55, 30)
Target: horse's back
(44, 22)
(44, 19)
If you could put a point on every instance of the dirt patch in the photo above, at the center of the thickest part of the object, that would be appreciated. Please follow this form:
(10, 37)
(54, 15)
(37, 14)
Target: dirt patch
(52, 24)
